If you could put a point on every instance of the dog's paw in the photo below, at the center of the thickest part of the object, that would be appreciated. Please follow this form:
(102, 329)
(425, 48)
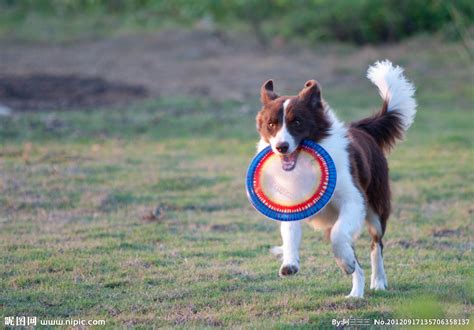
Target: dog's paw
(287, 270)
(357, 291)
(378, 284)
(277, 251)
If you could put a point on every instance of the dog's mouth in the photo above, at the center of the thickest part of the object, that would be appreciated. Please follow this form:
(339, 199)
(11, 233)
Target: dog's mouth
(288, 161)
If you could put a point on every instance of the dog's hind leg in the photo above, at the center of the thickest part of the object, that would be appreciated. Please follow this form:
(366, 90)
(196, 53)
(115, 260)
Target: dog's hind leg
(291, 235)
(378, 278)
(348, 225)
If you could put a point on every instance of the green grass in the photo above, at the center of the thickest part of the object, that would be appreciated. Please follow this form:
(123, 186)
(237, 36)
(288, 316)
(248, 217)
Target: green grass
(75, 186)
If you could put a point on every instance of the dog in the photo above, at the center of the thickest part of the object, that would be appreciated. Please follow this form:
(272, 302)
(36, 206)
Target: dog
(362, 192)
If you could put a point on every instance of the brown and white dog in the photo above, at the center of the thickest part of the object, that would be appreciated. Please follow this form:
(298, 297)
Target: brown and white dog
(362, 192)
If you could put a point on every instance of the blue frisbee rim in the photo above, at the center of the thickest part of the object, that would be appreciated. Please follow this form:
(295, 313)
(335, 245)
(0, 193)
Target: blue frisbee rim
(295, 215)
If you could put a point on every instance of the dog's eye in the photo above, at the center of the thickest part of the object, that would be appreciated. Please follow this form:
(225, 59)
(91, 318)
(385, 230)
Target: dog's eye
(297, 123)
(271, 125)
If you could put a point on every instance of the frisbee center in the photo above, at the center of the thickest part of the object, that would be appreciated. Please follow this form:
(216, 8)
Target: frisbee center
(290, 187)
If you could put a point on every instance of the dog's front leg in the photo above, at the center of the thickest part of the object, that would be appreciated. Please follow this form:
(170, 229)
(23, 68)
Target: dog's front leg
(348, 225)
(291, 235)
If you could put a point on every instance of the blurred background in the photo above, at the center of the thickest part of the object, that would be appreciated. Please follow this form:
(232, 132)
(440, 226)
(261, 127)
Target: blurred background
(358, 21)
(222, 49)
(126, 127)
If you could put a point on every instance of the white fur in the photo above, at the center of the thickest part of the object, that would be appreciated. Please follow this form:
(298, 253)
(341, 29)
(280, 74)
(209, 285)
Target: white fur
(348, 202)
(291, 235)
(350, 210)
(378, 279)
(261, 145)
(358, 283)
(283, 135)
(395, 89)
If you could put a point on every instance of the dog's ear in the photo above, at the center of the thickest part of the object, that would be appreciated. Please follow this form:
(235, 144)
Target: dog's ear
(266, 92)
(311, 94)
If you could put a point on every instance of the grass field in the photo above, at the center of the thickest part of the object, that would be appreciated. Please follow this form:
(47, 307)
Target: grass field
(77, 239)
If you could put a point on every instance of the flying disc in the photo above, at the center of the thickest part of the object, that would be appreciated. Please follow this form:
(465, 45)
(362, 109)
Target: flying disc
(291, 195)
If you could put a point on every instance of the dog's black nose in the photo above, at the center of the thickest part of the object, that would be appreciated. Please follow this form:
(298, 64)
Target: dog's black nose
(282, 147)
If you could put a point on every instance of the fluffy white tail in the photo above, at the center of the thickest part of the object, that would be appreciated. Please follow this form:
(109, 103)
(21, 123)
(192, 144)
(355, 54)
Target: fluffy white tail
(394, 89)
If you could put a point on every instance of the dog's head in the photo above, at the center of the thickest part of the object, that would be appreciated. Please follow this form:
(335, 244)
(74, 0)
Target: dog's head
(284, 121)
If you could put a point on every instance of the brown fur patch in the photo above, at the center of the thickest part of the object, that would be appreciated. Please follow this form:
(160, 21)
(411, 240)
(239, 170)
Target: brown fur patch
(369, 169)
(370, 138)
(384, 126)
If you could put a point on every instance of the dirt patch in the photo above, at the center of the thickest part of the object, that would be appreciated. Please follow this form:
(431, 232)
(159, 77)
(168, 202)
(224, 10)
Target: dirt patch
(183, 314)
(223, 228)
(190, 207)
(445, 232)
(403, 243)
(346, 305)
(156, 215)
(64, 92)
(200, 62)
